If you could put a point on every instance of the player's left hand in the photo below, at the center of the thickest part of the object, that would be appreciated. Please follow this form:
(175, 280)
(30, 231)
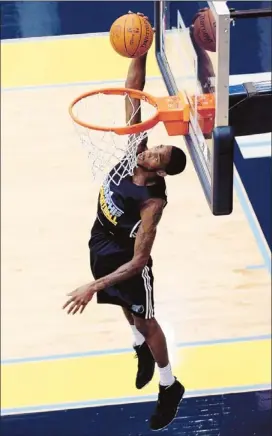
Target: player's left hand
(80, 298)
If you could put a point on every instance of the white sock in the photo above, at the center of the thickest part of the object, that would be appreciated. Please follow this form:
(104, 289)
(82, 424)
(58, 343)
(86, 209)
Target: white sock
(139, 339)
(166, 376)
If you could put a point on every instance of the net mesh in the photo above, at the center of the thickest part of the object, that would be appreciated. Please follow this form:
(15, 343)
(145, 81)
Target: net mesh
(111, 155)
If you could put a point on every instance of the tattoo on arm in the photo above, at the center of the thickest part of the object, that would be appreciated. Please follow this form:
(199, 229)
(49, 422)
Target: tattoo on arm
(151, 215)
(157, 216)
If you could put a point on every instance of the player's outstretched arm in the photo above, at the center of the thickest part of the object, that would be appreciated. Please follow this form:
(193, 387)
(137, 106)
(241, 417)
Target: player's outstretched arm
(135, 80)
(150, 216)
(151, 213)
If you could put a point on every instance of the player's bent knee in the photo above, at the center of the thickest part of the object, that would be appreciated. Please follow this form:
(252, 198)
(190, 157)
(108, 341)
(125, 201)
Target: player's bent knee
(145, 326)
(128, 315)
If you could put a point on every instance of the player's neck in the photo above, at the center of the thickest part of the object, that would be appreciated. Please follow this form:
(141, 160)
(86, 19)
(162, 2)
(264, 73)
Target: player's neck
(143, 178)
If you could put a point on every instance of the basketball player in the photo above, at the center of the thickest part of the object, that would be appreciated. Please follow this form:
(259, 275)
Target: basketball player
(120, 245)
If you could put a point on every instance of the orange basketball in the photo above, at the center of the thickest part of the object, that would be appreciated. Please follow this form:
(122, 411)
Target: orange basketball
(205, 30)
(131, 35)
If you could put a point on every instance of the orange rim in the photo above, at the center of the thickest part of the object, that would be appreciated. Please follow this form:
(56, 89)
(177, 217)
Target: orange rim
(126, 130)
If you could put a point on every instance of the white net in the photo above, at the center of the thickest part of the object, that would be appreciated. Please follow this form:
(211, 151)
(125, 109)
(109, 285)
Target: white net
(111, 155)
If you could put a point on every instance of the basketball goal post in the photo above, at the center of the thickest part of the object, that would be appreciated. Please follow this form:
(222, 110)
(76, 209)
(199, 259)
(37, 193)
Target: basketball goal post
(112, 148)
(112, 145)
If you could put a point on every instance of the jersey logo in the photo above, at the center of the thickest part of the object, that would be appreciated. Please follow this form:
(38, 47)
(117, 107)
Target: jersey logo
(108, 207)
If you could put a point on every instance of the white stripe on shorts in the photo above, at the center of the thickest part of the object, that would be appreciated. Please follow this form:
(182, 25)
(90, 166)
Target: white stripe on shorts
(148, 293)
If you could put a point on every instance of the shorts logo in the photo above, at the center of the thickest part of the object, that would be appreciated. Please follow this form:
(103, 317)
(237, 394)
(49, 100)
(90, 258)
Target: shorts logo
(137, 309)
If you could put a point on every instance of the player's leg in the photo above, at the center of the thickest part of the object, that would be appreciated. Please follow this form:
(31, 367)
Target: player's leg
(128, 316)
(138, 337)
(171, 390)
(155, 338)
(146, 363)
(142, 295)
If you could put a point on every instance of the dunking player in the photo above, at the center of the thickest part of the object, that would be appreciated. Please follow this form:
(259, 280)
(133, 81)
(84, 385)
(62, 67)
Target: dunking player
(121, 240)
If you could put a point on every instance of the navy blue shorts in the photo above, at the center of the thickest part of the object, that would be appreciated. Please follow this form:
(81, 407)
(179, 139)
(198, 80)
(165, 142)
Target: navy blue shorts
(135, 294)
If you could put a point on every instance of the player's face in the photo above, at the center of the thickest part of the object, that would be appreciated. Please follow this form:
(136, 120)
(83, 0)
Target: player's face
(155, 158)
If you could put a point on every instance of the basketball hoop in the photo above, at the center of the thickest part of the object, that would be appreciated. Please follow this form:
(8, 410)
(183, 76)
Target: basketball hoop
(111, 145)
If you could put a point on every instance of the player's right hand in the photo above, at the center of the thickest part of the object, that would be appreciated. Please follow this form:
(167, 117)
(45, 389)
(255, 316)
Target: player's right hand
(79, 298)
(142, 15)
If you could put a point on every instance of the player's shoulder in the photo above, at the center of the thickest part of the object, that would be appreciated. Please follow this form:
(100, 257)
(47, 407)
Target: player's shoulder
(158, 190)
(160, 182)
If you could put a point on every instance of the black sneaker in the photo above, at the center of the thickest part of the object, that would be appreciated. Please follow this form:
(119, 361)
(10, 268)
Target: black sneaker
(167, 405)
(146, 365)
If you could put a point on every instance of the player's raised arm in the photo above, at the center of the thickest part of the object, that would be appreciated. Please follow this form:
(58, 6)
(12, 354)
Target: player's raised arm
(136, 80)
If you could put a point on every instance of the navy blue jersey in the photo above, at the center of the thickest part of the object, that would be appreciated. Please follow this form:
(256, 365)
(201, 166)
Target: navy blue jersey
(118, 211)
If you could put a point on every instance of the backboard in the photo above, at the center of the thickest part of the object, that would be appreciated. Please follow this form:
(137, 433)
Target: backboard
(186, 67)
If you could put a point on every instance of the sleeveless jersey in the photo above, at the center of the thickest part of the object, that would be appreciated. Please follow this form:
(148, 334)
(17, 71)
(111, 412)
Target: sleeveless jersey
(118, 210)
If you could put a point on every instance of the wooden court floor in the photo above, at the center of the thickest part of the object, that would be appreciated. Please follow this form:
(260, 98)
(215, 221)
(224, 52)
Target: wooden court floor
(212, 290)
